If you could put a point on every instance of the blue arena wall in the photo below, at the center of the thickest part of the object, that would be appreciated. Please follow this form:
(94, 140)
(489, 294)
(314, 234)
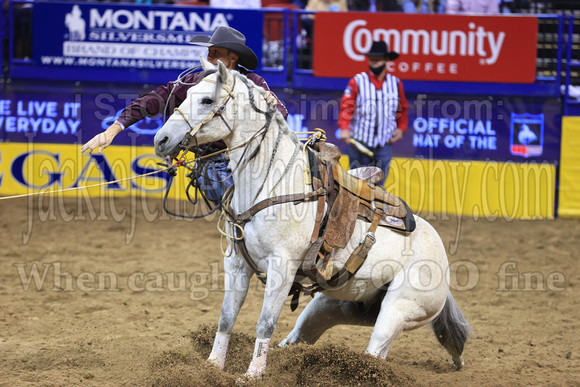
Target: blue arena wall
(460, 154)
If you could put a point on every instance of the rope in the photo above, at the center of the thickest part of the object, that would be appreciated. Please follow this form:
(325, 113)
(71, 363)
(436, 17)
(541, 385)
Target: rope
(223, 230)
(181, 162)
(288, 166)
(185, 118)
(79, 188)
(244, 144)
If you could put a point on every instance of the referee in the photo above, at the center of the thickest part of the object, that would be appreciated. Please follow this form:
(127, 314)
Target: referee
(373, 111)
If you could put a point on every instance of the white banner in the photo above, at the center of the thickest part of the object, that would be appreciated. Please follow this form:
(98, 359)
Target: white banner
(133, 51)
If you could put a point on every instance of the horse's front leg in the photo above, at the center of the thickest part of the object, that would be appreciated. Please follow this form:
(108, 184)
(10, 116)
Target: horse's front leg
(236, 282)
(281, 273)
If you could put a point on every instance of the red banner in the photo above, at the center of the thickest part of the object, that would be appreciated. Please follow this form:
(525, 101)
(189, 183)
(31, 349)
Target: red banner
(431, 47)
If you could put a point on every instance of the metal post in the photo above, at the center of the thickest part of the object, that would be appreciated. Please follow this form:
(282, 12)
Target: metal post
(10, 35)
(294, 35)
(561, 21)
(286, 38)
(568, 62)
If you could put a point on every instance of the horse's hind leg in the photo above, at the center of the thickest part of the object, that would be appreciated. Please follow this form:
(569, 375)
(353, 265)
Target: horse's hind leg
(321, 314)
(236, 282)
(389, 324)
(404, 308)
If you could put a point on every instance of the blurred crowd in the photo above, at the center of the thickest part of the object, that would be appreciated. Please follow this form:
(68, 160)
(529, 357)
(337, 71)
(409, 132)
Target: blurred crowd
(407, 6)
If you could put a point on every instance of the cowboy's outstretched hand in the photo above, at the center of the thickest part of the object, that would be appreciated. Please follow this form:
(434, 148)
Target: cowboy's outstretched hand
(270, 98)
(102, 140)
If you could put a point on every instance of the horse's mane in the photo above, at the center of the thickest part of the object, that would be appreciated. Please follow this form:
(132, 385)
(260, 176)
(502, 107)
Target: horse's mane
(282, 124)
(205, 74)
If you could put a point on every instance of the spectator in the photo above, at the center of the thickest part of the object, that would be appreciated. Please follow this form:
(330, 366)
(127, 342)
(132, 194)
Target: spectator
(385, 5)
(299, 3)
(327, 5)
(506, 6)
(373, 111)
(431, 6)
(472, 6)
(358, 5)
(239, 4)
(407, 6)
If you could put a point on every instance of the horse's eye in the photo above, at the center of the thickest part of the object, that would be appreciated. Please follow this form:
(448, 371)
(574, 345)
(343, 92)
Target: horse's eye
(206, 101)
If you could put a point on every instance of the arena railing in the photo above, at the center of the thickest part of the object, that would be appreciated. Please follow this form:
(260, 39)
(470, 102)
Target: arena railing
(571, 106)
(287, 56)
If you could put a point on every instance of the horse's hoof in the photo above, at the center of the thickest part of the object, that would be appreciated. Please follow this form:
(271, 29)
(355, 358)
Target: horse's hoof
(216, 362)
(249, 377)
(255, 373)
(458, 363)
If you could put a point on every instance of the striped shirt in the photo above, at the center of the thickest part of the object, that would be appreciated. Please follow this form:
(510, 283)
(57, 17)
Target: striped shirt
(372, 110)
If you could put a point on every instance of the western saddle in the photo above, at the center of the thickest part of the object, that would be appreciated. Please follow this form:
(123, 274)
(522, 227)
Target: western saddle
(342, 198)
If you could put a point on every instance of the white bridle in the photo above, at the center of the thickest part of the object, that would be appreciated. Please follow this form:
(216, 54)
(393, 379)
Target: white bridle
(216, 111)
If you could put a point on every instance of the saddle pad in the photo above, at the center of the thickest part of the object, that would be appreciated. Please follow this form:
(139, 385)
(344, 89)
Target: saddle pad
(405, 223)
(371, 174)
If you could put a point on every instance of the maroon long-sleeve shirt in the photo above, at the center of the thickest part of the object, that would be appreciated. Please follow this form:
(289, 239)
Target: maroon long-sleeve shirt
(154, 102)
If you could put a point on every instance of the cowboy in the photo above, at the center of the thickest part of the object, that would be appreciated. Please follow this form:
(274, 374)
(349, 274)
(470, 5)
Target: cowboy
(227, 45)
(373, 112)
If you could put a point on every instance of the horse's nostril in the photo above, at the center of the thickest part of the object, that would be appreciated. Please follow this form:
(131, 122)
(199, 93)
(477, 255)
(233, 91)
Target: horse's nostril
(162, 142)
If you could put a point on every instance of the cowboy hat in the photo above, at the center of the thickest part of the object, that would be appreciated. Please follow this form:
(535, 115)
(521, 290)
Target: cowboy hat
(234, 40)
(380, 48)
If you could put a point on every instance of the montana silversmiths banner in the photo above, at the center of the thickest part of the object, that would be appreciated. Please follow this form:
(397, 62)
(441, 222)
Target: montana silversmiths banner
(129, 41)
(431, 47)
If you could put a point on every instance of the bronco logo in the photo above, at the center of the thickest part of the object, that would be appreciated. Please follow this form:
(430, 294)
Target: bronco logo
(527, 135)
(75, 24)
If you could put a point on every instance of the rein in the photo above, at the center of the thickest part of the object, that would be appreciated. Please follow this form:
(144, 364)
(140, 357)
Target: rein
(238, 221)
(215, 111)
(218, 110)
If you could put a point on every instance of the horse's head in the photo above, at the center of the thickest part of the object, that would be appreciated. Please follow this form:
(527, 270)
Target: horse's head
(196, 120)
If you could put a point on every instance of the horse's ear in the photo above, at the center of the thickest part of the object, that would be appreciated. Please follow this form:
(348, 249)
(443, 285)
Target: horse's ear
(205, 64)
(224, 72)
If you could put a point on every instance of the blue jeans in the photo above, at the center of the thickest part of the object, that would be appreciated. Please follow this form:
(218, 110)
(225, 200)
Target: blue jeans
(382, 159)
(216, 171)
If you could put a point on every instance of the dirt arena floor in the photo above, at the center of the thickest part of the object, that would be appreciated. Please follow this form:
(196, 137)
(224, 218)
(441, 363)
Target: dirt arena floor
(115, 292)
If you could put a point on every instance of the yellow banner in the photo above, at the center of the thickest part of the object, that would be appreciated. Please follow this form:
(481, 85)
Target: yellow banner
(471, 188)
(569, 187)
(27, 168)
(475, 188)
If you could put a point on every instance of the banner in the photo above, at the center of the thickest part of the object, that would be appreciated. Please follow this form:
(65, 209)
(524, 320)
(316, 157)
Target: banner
(473, 188)
(431, 47)
(453, 127)
(29, 168)
(127, 41)
(483, 128)
(70, 118)
(440, 126)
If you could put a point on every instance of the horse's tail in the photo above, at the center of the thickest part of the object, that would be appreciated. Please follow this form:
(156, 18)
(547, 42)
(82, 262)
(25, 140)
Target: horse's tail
(452, 329)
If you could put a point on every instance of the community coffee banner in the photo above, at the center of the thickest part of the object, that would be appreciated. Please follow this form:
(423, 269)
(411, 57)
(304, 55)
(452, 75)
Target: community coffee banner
(431, 47)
